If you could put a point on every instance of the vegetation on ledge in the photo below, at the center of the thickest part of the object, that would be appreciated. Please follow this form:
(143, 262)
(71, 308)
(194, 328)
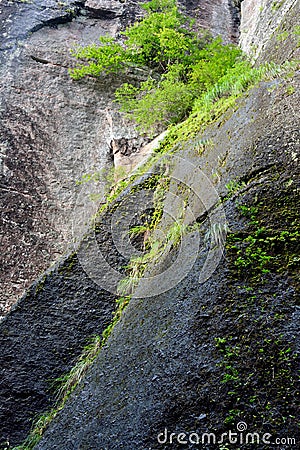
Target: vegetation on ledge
(190, 80)
(180, 65)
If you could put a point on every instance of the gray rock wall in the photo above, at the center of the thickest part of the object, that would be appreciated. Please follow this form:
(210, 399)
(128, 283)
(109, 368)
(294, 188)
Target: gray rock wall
(160, 367)
(54, 130)
(164, 367)
(261, 20)
(46, 331)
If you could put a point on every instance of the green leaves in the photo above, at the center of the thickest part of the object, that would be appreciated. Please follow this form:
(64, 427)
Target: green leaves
(182, 67)
(160, 38)
(158, 5)
(167, 102)
(109, 57)
(156, 41)
(214, 61)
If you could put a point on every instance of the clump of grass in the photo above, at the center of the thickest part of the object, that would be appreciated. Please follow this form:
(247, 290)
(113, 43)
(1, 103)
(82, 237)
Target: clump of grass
(138, 265)
(68, 382)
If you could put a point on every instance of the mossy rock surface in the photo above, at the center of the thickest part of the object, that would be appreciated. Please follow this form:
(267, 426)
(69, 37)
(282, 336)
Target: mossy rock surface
(204, 357)
(45, 333)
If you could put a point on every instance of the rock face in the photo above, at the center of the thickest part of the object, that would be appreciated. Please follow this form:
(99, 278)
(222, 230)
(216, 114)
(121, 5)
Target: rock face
(46, 331)
(260, 22)
(165, 367)
(37, 342)
(205, 348)
(222, 15)
(54, 130)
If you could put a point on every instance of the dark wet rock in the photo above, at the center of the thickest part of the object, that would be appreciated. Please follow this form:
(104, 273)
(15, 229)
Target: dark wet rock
(161, 368)
(45, 333)
(37, 348)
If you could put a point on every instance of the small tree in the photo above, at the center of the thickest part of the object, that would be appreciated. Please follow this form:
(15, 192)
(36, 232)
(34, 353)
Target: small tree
(180, 64)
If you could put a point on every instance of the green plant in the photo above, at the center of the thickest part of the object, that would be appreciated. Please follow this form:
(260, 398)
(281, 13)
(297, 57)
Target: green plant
(233, 413)
(252, 257)
(281, 37)
(220, 342)
(234, 186)
(277, 5)
(177, 64)
(170, 99)
(260, 249)
(265, 363)
(137, 267)
(155, 246)
(203, 144)
(213, 103)
(231, 374)
(137, 230)
(248, 211)
(175, 233)
(296, 30)
(290, 90)
(162, 38)
(66, 384)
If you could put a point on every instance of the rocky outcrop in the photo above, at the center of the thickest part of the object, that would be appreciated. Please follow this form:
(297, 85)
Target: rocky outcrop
(267, 22)
(43, 336)
(195, 349)
(205, 357)
(223, 17)
(54, 130)
(164, 367)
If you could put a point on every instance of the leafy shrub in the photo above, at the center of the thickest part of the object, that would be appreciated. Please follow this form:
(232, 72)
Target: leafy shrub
(180, 65)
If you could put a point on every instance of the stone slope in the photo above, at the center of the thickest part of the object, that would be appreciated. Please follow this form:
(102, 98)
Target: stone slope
(164, 365)
(54, 130)
(160, 367)
(263, 22)
(45, 333)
